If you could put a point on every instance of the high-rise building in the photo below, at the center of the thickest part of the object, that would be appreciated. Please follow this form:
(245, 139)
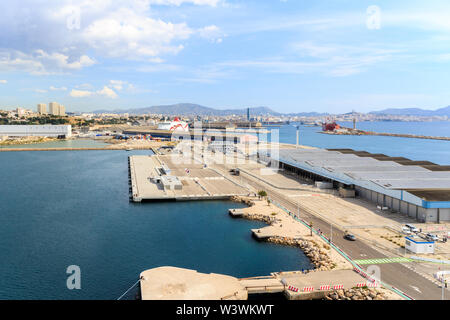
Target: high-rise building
(61, 110)
(53, 108)
(42, 108)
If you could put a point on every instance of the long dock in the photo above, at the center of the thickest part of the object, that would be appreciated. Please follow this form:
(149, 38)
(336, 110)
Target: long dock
(159, 177)
(355, 132)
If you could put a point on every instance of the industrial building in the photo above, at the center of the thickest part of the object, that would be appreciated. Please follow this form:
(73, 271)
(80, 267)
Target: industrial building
(212, 136)
(419, 189)
(58, 131)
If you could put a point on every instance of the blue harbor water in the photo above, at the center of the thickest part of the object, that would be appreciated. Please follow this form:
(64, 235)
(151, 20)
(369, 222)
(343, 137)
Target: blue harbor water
(71, 208)
(437, 151)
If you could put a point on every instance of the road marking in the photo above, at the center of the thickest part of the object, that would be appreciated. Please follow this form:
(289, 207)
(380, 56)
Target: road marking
(383, 260)
(417, 289)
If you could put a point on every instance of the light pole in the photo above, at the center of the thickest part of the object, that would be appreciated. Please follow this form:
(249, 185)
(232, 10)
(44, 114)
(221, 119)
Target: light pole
(331, 236)
(298, 128)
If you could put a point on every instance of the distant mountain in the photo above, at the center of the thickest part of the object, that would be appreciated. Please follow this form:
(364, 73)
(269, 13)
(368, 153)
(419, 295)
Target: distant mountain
(415, 112)
(189, 109)
(186, 109)
(307, 114)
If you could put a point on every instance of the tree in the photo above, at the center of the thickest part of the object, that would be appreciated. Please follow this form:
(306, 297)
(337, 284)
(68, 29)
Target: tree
(262, 194)
(268, 202)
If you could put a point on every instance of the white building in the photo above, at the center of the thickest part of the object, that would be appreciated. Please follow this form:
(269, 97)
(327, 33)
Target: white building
(416, 245)
(36, 130)
(53, 108)
(61, 110)
(42, 108)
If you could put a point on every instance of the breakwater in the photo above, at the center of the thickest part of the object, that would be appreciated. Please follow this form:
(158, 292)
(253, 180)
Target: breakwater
(356, 132)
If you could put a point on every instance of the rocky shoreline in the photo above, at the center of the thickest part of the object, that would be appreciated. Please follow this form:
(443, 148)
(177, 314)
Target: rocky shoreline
(356, 294)
(317, 254)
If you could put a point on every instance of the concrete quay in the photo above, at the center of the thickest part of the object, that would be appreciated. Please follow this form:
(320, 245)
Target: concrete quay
(171, 283)
(159, 177)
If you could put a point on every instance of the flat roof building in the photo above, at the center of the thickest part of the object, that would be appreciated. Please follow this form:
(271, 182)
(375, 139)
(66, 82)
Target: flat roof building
(420, 189)
(57, 131)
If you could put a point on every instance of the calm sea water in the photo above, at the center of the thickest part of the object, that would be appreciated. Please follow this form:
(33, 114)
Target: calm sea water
(71, 208)
(437, 151)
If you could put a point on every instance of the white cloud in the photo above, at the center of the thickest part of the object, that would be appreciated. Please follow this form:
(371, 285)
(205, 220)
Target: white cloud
(212, 3)
(80, 93)
(211, 33)
(117, 84)
(40, 90)
(105, 92)
(3, 81)
(52, 88)
(107, 28)
(41, 62)
(108, 92)
(125, 33)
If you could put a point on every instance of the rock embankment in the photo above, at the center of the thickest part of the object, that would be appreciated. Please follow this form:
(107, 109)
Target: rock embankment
(356, 294)
(316, 254)
(259, 217)
(246, 201)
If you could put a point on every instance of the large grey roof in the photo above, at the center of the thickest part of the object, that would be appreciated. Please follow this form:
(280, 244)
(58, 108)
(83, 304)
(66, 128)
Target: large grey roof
(386, 174)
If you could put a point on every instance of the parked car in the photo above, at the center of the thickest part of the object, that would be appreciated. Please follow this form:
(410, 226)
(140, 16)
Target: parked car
(432, 237)
(406, 230)
(350, 237)
(412, 228)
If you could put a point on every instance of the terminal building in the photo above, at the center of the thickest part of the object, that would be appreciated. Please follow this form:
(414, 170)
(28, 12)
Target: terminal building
(419, 189)
(57, 131)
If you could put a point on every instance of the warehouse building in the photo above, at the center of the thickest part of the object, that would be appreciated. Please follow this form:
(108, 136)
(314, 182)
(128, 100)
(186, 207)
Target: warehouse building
(57, 131)
(419, 189)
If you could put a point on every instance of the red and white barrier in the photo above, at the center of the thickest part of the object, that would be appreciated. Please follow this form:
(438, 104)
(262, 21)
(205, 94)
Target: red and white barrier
(372, 285)
(338, 287)
(360, 285)
(308, 289)
(325, 287)
(294, 289)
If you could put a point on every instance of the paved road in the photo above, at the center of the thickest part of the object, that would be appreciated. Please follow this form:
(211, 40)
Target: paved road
(395, 275)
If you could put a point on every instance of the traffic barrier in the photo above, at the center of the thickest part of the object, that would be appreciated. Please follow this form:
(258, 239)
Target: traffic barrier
(308, 289)
(338, 287)
(294, 289)
(325, 287)
(372, 285)
(360, 285)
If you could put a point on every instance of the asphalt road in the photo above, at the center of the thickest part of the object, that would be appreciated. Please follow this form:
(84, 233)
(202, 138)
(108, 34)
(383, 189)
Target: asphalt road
(394, 274)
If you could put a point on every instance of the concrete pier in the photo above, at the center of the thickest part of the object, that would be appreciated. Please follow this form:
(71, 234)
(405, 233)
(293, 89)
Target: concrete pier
(158, 177)
(170, 283)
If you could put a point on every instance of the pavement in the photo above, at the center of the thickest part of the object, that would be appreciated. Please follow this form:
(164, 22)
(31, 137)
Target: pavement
(394, 274)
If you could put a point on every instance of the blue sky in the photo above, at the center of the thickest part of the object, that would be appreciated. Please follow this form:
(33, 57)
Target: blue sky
(291, 55)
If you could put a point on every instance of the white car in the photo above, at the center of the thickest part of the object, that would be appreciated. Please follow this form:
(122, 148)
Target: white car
(432, 237)
(412, 228)
(406, 230)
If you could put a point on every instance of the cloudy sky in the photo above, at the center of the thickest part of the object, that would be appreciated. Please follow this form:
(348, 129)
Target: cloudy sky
(290, 55)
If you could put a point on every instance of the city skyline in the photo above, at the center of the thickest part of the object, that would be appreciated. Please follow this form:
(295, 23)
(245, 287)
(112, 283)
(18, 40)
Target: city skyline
(291, 56)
